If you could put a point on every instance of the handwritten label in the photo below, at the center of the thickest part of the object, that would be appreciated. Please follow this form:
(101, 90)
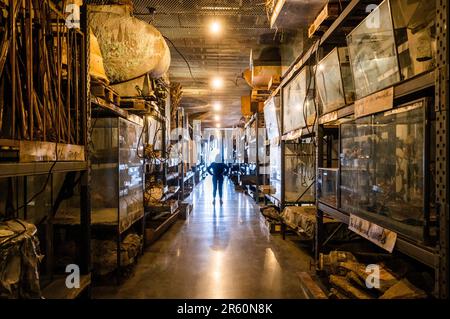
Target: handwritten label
(378, 235)
(329, 117)
(377, 102)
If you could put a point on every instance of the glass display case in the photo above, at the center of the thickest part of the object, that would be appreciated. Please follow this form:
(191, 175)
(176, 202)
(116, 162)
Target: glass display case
(414, 24)
(327, 186)
(117, 173)
(298, 101)
(275, 170)
(334, 80)
(396, 41)
(385, 169)
(272, 117)
(299, 172)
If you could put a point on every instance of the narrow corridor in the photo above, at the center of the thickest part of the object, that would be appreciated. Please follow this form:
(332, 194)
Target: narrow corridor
(219, 252)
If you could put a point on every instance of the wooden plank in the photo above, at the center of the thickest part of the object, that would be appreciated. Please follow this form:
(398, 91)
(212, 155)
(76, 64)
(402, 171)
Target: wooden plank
(57, 289)
(152, 234)
(34, 151)
(310, 287)
(329, 12)
(374, 103)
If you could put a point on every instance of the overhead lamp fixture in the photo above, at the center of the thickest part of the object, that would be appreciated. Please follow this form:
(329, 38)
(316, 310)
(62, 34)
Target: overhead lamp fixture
(217, 83)
(215, 27)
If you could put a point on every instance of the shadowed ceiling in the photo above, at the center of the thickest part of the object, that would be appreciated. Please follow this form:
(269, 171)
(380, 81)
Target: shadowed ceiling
(245, 27)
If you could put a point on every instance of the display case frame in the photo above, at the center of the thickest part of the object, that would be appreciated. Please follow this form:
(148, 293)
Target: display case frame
(426, 234)
(346, 88)
(394, 71)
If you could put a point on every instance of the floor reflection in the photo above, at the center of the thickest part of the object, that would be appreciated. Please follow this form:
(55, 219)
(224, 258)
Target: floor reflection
(219, 252)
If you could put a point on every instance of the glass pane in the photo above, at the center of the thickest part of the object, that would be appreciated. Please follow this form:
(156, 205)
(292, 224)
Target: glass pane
(272, 117)
(131, 195)
(299, 172)
(382, 160)
(275, 170)
(372, 52)
(329, 84)
(297, 106)
(327, 186)
(415, 23)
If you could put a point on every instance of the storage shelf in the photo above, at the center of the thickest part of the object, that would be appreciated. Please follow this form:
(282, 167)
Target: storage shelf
(57, 289)
(40, 168)
(107, 109)
(426, 255)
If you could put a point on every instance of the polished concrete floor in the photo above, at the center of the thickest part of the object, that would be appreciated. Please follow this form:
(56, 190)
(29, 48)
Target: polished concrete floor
(219, 252)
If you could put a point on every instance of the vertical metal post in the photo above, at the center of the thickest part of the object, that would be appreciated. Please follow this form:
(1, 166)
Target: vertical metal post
(257, 157)
(442, 145)
(319, 217)
(85, 191)
(30, 73)
(283, 155)
(12, 60)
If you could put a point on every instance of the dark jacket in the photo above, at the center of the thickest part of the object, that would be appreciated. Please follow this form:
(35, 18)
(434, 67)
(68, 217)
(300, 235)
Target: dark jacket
(218, 169)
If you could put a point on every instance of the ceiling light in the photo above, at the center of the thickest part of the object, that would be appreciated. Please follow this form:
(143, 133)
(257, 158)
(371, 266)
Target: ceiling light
(217, 118)
(215, 27)
(218, 125)
(217, 106)
(217, 83)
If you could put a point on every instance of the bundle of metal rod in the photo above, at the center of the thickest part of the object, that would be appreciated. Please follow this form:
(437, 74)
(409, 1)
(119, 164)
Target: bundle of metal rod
(40, 67)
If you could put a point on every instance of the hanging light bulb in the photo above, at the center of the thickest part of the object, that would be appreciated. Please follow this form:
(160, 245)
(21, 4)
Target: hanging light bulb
(217, 83)
(215, 27)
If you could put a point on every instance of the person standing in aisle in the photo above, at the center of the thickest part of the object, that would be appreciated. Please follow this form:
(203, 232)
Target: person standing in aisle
(218, 170)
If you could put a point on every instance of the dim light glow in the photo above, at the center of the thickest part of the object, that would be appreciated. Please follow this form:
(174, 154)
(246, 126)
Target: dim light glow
(217, 83)
(215, 27)
(217, 118)
(217, 106)
(218, 125)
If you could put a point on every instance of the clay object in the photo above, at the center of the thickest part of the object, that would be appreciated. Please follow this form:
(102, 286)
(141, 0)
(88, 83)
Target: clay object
(387, 279)
(331, 263)
(342, 284)
(130, 47)
(404, 290)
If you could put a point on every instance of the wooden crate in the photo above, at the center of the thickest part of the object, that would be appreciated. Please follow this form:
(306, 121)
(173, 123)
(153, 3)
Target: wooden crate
(105, 92)
(323, 20)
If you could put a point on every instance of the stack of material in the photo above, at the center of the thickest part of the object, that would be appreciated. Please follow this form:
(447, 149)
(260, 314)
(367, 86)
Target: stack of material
(19, 260)
(153, 195)
(350, 279)
(301, 219)
(270, 212)
(105, 253)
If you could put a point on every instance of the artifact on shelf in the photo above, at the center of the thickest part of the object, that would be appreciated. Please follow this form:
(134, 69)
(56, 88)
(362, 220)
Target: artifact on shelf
(19, 260)
(96, 67)
(104, 253)
(404, 290)
(301, 218)
(343, 285)
(383, 173)
(396, 41)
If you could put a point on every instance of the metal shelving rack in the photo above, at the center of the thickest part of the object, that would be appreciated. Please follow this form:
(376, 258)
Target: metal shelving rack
(436, 257)
(53, 284)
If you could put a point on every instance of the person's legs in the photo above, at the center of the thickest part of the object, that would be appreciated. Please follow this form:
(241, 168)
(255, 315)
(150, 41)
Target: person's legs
(214, 180)
(220, 182)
